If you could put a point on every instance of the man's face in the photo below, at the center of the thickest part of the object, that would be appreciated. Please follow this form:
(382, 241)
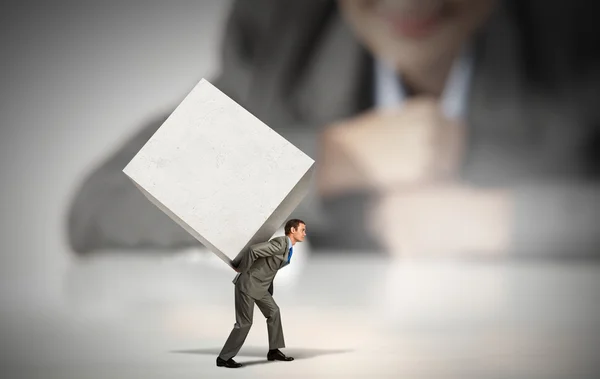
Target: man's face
(414, 33)
(299, 233)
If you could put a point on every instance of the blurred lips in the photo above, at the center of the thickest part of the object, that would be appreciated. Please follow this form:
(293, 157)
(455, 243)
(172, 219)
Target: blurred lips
(413, 27)
(412, 24)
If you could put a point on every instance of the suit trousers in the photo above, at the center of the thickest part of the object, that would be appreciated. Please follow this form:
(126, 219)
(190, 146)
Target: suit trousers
(244, 310)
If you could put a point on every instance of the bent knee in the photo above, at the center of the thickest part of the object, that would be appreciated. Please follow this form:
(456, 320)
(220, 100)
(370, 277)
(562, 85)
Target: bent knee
(243, 325)
(274, 313)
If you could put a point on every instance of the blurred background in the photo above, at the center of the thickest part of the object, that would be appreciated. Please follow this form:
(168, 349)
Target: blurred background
(453, 221)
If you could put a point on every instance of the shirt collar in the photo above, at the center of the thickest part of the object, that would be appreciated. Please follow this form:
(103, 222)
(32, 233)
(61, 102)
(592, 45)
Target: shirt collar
(389, 91)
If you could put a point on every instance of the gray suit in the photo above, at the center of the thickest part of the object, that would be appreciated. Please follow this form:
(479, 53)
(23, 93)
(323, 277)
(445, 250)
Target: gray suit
(534, 123)
(258, 266)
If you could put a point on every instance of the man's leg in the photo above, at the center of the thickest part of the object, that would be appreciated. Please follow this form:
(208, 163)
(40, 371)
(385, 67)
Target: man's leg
(270, 310)
(244, 309)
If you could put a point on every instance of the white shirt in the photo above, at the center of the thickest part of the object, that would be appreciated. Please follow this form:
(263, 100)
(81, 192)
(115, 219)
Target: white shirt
(389, 92)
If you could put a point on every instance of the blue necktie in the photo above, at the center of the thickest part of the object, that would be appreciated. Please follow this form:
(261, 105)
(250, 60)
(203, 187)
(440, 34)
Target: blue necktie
(290, 255)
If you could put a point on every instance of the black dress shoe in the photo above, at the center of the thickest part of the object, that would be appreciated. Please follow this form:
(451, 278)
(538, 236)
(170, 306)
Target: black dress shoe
(276, 355)
(230, 363)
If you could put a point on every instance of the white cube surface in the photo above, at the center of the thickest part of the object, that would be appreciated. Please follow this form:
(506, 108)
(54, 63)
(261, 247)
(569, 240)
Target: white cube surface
(221, 173)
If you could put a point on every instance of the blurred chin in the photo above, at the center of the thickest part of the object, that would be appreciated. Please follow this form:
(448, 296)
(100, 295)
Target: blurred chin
(406, 54)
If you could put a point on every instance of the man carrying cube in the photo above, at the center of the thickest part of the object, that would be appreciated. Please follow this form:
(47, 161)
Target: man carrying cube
(214, 168)
(257, 267)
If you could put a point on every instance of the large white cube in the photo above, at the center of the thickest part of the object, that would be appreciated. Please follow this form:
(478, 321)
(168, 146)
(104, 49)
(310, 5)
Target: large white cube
(221, 173)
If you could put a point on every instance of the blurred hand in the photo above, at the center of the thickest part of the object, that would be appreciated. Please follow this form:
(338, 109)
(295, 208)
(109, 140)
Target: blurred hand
(442, 220)
(386, 149)
(406, 159)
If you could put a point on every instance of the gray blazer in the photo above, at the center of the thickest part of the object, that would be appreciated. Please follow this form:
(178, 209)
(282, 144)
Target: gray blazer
(259, 264)
(534, 123)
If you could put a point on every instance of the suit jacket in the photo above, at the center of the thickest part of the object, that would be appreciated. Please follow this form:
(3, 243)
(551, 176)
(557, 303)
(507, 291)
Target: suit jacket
(534, 123)
(259, 264)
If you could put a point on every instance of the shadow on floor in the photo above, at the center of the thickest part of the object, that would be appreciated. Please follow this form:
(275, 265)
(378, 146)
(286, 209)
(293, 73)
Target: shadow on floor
(261, 352)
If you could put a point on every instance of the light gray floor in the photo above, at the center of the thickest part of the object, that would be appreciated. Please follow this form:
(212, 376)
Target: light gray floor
(142, 317)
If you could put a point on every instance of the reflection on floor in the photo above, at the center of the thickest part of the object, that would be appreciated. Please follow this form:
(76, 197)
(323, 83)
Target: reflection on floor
(347, 316)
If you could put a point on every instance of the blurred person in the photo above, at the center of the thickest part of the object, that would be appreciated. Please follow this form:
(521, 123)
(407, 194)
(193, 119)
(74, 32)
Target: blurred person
(257, 267)
(438, 126)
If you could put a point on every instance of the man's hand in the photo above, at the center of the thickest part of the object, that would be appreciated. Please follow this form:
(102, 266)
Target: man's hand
(387, 149)
(407, 160)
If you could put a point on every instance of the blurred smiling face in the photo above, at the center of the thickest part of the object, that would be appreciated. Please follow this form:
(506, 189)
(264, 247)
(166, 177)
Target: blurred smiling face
(414, 33)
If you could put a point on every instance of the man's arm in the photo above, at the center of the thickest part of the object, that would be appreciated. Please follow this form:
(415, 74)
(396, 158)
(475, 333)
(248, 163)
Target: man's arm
(542, 219)
(262, 250)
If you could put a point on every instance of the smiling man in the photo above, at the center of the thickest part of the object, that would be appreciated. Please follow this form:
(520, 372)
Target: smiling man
(258, 266)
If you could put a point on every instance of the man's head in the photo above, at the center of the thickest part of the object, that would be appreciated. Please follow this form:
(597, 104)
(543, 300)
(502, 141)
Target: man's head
(412, 33)
(295, 229)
